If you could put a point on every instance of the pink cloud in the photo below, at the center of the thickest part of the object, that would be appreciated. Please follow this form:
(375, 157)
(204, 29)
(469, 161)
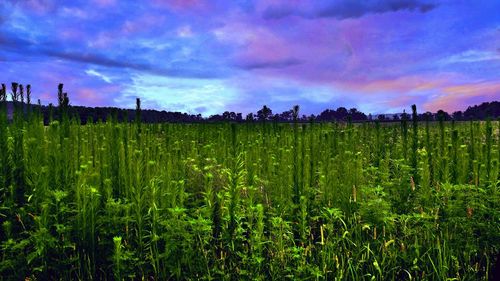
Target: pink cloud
(330, 50)
(98, 96)
(105, 39)
(401, 85)
(458, 97)
(263, 43)
(357, 58)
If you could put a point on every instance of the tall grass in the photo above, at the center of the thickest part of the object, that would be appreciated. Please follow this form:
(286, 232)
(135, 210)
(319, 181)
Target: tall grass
(130, 201)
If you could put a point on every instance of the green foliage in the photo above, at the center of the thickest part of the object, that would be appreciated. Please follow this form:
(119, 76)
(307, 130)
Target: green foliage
(258, 201)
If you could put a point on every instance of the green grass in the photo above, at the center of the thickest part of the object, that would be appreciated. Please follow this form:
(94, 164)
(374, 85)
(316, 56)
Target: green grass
(253, 201)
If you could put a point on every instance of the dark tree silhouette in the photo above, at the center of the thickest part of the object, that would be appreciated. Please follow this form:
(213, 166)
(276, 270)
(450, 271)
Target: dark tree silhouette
(295, 112)
(264, 114)
(457, 115)
(441, 114)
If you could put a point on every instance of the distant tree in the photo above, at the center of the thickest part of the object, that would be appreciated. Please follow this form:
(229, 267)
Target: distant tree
(443, 114)
(232, 115)
(327, 115)
(341, 113)
(295, 112)
(482, 111)
(395, 117)
(216, 117)
(264, 114)
(276, 117)
(426, 116)
(249, 117)
(457, 115)
(356, 115)
(286, 115)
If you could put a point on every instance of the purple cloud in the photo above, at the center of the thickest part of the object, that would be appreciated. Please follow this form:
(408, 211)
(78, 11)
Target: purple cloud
(345, 9)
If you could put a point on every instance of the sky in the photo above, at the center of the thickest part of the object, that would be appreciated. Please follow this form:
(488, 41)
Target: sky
(209, 56)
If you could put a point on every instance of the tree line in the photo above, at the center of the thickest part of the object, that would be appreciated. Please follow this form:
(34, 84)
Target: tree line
(21, 96)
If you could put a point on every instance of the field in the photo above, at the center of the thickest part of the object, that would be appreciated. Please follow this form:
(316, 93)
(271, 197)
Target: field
(248, 201)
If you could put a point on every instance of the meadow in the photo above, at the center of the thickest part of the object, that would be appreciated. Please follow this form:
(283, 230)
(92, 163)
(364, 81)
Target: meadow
(247, 201)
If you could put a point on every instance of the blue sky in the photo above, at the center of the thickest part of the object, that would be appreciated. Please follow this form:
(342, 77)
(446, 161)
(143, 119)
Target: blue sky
(210, 56)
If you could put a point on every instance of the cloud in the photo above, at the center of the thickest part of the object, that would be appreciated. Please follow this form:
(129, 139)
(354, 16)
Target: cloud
(173, 71)
(186, 95)
(104, 3)
(258, 47)
(184, 31)
(386, 55)
(188, 68)
(95, 96)
(459, 96)
(37, 6)
(92, 72)
(471, 56)
(74, 13)
(356, 9)
(143, 23)
(12, 42)
(269, 64)
(279, 12)
(180, 5)
(344, 9)
(94, 59)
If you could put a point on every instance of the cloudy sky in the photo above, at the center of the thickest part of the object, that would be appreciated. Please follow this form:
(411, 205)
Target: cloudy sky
(208, 56)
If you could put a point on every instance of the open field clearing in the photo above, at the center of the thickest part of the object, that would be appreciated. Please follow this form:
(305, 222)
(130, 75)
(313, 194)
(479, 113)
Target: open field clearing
(249, 201)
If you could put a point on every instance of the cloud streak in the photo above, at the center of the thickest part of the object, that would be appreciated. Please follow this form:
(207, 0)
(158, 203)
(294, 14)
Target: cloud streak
(22, 46)
(345, 9)
(94, 73)
(277, 64)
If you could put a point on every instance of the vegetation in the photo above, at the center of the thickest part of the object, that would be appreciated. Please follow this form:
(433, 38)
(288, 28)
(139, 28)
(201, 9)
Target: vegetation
(478, 112)
(252, 201)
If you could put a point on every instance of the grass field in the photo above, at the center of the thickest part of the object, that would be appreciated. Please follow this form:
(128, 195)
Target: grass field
(250, 201)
